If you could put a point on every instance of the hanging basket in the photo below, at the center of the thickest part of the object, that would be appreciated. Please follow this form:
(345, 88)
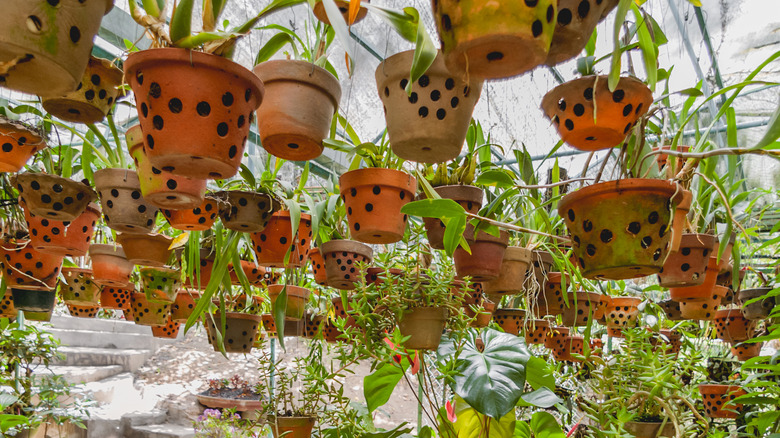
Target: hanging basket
(541, 265)
(760, 309)
(550, 298)
(34, 299)
(623, 312)
(718, 400)
(671, 309)
(239, 334)
(168, 331)
(702, 308)
(556, 342)
(318, 267)
(732, 327)
(296, 299)
(577, 312)
(272, 244)
(67, 239)
(340, 258)
(487, 255)
(535, 331)
(18, 144)
(319, 11)
(79, 289)
(574, 26)
(7, 309)
(424, 326)
(146, 312)
(687, 266)
(124, 208)
(743, 351)
(257, 275)
(200, 218)
(82, 311)
(512, 276)
(160, 285)
(703, 290)
(146, 249)
(24, 266)
(110, 266)
(54, 197)
(248, 212)
(510, 320)
(94, 95)
(184, 304)
(469, 197)
(112, 297)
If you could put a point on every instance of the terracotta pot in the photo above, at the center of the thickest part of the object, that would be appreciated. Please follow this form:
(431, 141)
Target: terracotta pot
(469, 197)
(158, 187)
(687, 266)
(33, 299)
(340, 258)
(494, 40)
(47, 44)
(574, 26)
(577, 312)
(541, 265)
(268, 324)
(18, 144)
(672, 338)
(536, 331)
(67, 239)
(549, 300)
(54, 197)
(623, 312)
(199, 218)
(672, 310)
(513, 268)
(293, 427)
(378, 276)
(273, 243)
(82, 311)
(555, 341)
(484, 313)
(744, 351)
(663, 159)
(257, 275)
(702, 291)
(160, 285)
(239, 334)
(39, 316)
(510, 320)
(146, 249)
(619, 228)
(571, 107)
(319, 11)
(110, 266)
(340, 311)
(195, 110)
(312, 325)
(248, 212)
(7, 309)
(24, 266)
(168, 331)
(79, 289)
(184, 304)
(94, 95)
(425, 326)
(297, 297)
(318, 267)
(732, 327)
(760, 309)
(725, 260)
(573, 345)
(718, 400)
(430, 124)
(299, 103)
(726, 278)
(487, 255)
(146, 312)
(112, 297)
(254, 305)
(642, 429)
(124, 208)
(330, 333)
(680, 218)
(704, 308)
(374, 198)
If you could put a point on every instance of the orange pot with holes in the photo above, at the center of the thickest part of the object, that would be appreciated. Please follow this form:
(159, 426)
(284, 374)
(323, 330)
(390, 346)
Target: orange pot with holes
(719, 400)
(184, 304)
(623, 312)
(146, 312)
(510, 320)
(573, 345)
(550, 299)
(581, 307)
(703, 290)
(199, 218)
(688, 266)
(68, 239)
(536, 331)
(18, 144)
(743, 351)
(201, 278)
(24, 266)
(573, 27)
(168, 331)
(146, 249)
(704, 308)
(257, 275)
(112, 297)
(94, 95)
(341, 262)
(732, 327)
(486, 258)
(124, 208)
(271, 244)
(79, 287)
(82, 311)
(555, 341)
(318, 267)
(110, 266)
(7, 309)
(469, 197)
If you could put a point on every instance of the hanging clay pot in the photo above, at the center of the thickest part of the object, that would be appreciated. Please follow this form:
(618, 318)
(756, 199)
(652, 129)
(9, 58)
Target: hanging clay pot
(671, 309)
(240, 331)
(254, 305)
(619, 228)
(18, 143)
(312, 325)
(725, 259)
(541, 265)
(513, 268)
(343, 5)
(160, 285)
(680, 220)
(33, 299)
(536, 331)
(674, 339)
(297, 297)
(726, 278)
(79, 289)
(124, 208)
(556, 342)
(718, 400)
(269, 325)
(46, 44)
(573, 345)
(550, 298)
(7, 309)
(54, 197)
(379, 276)
(330, 333)
(168, 331)
(94, 95)
(424, 326)
(510, 320)
(24, 266)
(487, 255)
(271, 244)
(571, 107)
(201, 277)
(743, 351)
(494, 40)
(158, 187)
(373, 198)
(643, 429)
(577, 312)
(340, 258)
(146, 312)
(469, 197)
(760, 309)
(248, 212)
(68, 239)
(184, 304)
(39, 316)
(256, 275)
(195, 110)
(687, 266)
(298, 106)
(574, 26)
(293, 427)
(701, 291)
(110, 266)
(199, 218)
(112, 297)
(318, 267)
(623, 312)
(484, 313)
(82, 311)
(146, 249)
(430, 124)
(702, 308)
(340, 311)
(732, 327)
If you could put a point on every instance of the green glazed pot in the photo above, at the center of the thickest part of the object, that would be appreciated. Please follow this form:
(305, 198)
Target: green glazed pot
(160, 285)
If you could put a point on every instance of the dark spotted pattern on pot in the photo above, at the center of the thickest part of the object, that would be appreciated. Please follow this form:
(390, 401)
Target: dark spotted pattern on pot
(743, 351)
(160, 285)
(248, 212)
(52, 196)
(82, 311)
(69, 239)
(732, 327)
(168, 331)
(197, 219)
(510, 320)
(112, 297)
(124, 208)
(94, 96)
(7, 309)
(536, 331)
(341, 258)
(24, 266)
(79, 289)
(145, 312)
(240, 331)
(718, 400)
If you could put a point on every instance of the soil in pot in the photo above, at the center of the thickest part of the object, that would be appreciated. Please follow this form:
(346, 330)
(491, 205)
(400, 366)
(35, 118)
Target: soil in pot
(54, 197)
(184, 304)
(574, 25)
(703, 308)
(623, 312)
(82, 311)
(248, 212)
(319, 11)
(581, 307)
(340, 258)
(272, 244)
(94, 96)
(168, 331)
(571, 107)
(67, 239)
(110, 266)
(124, 207)
(425, 326)
(513, 268)
(510, 320)
(374, 198)
(33, 299)
(146, 312)
(79, 288)
(687, 266)
(146, 249)
(430, 124)
(744, 351)
(160, 285)
(199, 218)
(732, 327)
(19, 143)
(24, 266)
(469, 197)
(296, 299)
(318, 267)
(112, 297)
(240, 331)
(299, 103)
(718, 400)
(487, 255)
(620, 228)
(536, 331)
(759, 309)
(175, 86)
(293, 427)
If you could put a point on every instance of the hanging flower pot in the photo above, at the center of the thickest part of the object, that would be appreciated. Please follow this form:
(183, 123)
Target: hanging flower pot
(168, 331)
(7, 309)
(469, 197)
(340, 311)
(271, 244)
(112, 297)
(248, 212)
(158, 187)
(18, 144)
(513, 268)
(269, 325)
(687, 266)
(293, 427)
(110, 266)
(484, 313)
(701, 291)
(240, 331)
(54, 197)
(644, 429)
(24, 266)
(702, 308)
(39, 316)
(662, 159)
(671, 309)
(124, 208)
(160, 285)
(495, 40)
(184, 304)
(671, 338)
(147, 312)
(536, 331)
(33, 299)
(46, 45)
(487, 255)
(510, 320)
(760, 309)
(318, 267)
(574, 25)
(743, 351)
(577, 312)
(555, 341)
(718, 400)
(195, 110)
(550, 299)
(312, 325)
(573, 345)
(732, 327)
(340, 257)
(319, 12)
(257, 275)
(541, 265)
(623, 312)
(378, 276)
(94, 95)
(726, 278)
(619, 228)
(430, 124)
(79, 289)
(199, 218)
(425, 326)
(589, 117)
(82, 311)
(296, 299)
(200, 278)
(146, 249)
(298, 106)
(67, 239)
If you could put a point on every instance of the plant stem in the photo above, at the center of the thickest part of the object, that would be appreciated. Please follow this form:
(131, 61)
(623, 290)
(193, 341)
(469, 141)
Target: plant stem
(726, 205)
(109, 157)
(115, 134)
(559, 183)
(516, 228)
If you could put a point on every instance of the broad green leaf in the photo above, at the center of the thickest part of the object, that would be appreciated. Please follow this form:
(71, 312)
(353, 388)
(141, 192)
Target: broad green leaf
(647, 45)
(538, 374)
(544, 425)
(379, 385)
(472, 424)
(436, 208)
(541, 398)
(272, 46)
(272, 7)
(279, 308)
(424, 51)
(453, 234)
(498, 178)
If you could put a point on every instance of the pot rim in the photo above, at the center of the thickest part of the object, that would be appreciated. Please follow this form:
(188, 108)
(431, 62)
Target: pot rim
(620, 187)
(341, 245)
(292, 70)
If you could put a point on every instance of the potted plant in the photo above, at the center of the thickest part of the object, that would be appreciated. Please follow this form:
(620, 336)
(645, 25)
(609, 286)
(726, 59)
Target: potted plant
(200, 218)
(159, 284)
(168, 331)
(110, 266)
(79, 288)
(574, 25)
(232, 393)
(148, 312)
(688, 265)
(757, 302)
(112, 297)
(93, 97)
(718, 395)
(82, 311)
(69, 239)
(146, 249)
(19, 142)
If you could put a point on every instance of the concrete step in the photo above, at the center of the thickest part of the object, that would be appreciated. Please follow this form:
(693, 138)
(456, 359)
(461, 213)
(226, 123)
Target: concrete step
(96, 339)
(98, 325)
(166, 430)
(129, 359)
(76, 375)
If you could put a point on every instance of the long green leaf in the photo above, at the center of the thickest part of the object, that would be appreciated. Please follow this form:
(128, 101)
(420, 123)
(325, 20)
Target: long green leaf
(620, 17)
(772, 132)
(648, 47)
(339, 26)
(272, 46)
(181, 20)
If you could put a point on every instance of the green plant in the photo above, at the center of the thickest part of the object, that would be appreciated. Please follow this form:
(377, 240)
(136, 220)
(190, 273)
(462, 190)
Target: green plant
(372, 154)
(318, 39)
